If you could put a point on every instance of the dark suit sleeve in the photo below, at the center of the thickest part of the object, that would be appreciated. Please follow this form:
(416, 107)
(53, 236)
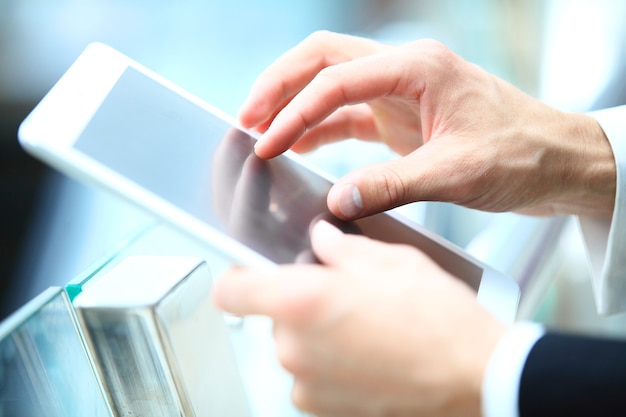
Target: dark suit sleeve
(569, 375)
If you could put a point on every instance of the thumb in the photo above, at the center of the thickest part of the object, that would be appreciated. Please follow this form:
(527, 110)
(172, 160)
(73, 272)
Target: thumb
(379, 187)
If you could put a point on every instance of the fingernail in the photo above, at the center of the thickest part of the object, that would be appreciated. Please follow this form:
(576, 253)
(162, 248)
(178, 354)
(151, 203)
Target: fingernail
(258, 147)
(350, 202)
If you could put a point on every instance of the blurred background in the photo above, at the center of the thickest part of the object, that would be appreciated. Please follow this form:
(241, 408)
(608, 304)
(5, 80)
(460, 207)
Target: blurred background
(568, 53)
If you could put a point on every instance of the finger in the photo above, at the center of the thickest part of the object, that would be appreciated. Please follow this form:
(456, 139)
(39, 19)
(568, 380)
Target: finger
(288, 294)
(357, 81)
(393, 123)
(346, 123)
(295, 69)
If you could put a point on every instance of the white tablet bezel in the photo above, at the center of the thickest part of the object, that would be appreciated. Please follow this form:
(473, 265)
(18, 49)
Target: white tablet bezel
(51, 129)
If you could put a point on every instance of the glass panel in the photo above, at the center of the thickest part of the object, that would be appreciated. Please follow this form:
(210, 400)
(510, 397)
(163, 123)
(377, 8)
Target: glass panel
(44, 369)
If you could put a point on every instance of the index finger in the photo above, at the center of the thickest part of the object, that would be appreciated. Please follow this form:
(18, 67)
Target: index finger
(358, 81)
(295, 69)
(288, 293)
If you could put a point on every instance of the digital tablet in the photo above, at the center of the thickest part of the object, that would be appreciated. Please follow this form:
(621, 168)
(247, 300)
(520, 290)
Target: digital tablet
(111, 122)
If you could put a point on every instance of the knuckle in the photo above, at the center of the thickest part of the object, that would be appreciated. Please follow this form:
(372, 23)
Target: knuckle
(329, 75)
(308, 305)
(435, 55)
(330, 81)
(302, 397)
(434, 47)
(320, 37)
(390, 188)
(304, 304)
(292, 358)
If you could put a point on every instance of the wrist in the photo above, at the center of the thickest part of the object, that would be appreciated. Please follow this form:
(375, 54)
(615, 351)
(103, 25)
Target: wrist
(467, 391)
(488, 345)
(585, 168)
(598, 171)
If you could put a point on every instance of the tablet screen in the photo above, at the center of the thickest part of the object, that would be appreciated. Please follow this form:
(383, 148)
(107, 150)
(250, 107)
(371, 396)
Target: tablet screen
(198, 162)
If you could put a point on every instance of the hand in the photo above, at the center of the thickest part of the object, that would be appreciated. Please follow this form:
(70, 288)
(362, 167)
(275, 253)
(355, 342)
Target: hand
(466, 136)
(377, 330)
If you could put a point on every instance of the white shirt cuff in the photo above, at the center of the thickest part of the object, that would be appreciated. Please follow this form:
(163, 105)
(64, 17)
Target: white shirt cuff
(500, 389)
(605, 240)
